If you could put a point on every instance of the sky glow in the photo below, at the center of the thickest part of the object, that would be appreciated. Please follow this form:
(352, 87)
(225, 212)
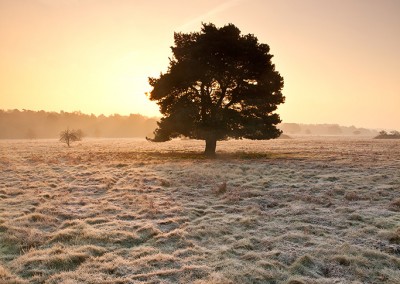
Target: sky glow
(339, 59)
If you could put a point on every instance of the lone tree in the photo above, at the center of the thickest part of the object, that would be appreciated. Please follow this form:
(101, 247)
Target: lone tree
(68, 136)
(219, 84)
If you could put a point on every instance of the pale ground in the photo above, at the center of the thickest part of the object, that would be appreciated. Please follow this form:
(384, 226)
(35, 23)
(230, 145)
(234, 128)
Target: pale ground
(129, 211)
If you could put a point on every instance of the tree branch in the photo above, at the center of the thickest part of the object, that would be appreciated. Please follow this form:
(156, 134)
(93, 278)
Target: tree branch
(203, 110)
(219, 103)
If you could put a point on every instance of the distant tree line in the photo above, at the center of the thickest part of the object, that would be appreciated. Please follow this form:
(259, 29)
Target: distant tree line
(324, 129)
(27, 124)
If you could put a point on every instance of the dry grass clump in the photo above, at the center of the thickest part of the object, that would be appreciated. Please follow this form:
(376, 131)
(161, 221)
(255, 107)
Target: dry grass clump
(214, 278)
(165, 183)
(6, 277)
(343, 260)
(129, 211)
(40, 264)
(308, 280)
(392, 236)
(22, 238)
(220, 189)
(307, 266)
(83, 233)
(352, 196)
(395, 205)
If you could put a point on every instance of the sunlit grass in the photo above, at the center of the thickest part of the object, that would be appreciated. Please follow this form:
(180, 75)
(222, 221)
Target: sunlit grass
(129, 211)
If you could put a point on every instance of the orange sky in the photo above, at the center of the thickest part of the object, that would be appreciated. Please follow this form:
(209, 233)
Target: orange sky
(340, 59)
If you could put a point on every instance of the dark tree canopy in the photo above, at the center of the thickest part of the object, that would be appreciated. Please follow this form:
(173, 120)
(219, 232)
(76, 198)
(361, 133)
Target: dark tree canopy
(219, 84)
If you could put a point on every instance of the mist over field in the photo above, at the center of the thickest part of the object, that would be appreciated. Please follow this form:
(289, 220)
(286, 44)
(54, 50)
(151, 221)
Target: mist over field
(303, 210)
(27, 124)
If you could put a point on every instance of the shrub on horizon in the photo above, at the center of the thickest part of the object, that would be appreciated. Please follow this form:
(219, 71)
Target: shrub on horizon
(384, 135)
(69, 136)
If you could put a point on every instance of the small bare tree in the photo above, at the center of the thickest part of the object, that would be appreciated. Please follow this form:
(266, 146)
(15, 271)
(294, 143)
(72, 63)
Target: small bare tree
(68, 136)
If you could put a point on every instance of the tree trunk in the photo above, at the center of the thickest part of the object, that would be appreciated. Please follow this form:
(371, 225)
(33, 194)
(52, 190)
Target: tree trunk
(211, 144)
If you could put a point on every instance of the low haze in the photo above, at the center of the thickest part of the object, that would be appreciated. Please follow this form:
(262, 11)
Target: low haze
(339, 59)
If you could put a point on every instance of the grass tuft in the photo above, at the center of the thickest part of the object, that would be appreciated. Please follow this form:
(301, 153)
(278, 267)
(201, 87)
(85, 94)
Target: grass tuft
(220, 189)
(395, 205)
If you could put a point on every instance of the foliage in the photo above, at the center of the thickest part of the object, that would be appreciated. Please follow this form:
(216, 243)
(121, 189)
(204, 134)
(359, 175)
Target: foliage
(219, 84)
(69, 136)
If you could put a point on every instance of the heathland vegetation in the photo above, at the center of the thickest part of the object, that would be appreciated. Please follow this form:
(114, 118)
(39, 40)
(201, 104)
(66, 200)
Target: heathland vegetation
(295, 211)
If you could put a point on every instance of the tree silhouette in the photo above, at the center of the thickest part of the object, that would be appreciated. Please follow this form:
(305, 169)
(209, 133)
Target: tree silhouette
(68, 136)
(219, 84)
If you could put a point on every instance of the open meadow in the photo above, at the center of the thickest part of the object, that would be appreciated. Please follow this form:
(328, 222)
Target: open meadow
(303, 210)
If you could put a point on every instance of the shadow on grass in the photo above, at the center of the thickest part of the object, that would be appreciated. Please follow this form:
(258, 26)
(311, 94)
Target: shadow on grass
(221, 155)
(125, 157)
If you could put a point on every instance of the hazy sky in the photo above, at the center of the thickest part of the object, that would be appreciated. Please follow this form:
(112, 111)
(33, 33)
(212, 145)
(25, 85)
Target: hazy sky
(339, 58)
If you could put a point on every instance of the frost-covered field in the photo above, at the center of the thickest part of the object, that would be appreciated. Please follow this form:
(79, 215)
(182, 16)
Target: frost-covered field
(129, 211)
